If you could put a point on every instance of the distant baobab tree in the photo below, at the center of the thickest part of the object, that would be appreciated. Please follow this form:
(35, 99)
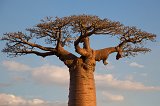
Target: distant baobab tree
(57, 33)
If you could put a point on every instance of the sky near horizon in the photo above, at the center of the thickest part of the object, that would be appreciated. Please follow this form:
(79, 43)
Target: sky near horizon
(34, 81)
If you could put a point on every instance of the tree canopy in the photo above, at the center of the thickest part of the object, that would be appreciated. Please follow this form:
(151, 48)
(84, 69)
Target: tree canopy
(75, 29)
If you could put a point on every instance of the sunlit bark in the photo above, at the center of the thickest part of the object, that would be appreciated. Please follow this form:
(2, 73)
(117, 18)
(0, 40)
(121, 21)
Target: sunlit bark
(82, 85)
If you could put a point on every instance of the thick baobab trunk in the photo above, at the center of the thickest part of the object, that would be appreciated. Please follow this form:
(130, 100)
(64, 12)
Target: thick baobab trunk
(82, 86)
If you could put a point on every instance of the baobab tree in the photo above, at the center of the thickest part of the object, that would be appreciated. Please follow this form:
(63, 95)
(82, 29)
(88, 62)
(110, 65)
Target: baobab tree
(57, 33)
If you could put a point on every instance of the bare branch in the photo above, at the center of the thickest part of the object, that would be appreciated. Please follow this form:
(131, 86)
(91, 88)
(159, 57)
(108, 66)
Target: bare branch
(85, 51)
(103, 54)
(20, 39)
(42, 54)
(132, 40)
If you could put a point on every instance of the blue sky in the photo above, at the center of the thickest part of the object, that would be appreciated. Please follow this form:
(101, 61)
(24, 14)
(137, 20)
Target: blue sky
(34, 81)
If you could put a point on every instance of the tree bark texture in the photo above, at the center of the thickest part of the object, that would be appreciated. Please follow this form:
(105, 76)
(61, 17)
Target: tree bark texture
(82, 85)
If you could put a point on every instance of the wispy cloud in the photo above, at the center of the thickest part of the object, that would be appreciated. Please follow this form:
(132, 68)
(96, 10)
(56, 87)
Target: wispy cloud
(49, 74)
(15, 66)
(13, 100)
(46, 74)
(135, 64)
(108, 81)
(112, 97)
